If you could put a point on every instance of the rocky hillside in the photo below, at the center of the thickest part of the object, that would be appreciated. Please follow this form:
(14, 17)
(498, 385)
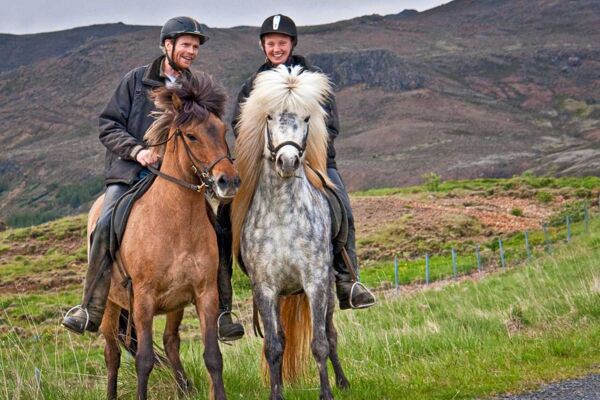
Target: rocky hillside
(473, 88)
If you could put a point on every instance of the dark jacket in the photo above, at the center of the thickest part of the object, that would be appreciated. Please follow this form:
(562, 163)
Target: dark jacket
(125, 119)
(330, 106)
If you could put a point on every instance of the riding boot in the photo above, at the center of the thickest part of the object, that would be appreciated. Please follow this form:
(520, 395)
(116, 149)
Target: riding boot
(88, 315)
(350, 292)
(227, 329)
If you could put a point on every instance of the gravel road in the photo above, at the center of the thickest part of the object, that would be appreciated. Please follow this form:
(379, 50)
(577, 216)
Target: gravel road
(586, 388)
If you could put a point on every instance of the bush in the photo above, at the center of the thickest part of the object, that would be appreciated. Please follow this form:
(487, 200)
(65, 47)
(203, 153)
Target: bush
(544, 197)
(432, 181)
(517, 212)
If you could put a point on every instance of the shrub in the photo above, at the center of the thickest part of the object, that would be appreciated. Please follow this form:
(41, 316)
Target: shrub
(544, 197)
(517, 212)
(432, 181)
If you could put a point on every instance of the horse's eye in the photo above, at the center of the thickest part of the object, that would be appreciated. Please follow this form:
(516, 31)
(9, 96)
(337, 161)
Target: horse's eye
(306, 119)
(191, 137)
(269, 117)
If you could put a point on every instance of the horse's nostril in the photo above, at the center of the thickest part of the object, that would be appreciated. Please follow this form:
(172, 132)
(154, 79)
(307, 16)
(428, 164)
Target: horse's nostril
(222, 182)
(296, 162)
(279, 163)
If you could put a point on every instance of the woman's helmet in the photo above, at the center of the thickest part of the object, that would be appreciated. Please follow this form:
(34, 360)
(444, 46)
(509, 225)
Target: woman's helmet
(178, 26)
(280, 24)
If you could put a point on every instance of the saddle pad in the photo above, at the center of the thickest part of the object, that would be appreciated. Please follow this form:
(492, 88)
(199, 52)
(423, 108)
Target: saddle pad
(121, 210)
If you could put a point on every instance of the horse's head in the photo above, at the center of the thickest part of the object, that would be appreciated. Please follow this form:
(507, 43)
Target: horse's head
(286, 139)
(193, 133)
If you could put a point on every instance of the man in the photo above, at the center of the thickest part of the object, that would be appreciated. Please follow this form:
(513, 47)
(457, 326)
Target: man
(123, 124)
(278, 37)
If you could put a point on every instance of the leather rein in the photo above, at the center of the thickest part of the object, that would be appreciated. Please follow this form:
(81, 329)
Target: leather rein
(204, 174)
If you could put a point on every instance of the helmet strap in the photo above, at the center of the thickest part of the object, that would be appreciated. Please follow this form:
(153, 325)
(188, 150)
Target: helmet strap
(170, 58)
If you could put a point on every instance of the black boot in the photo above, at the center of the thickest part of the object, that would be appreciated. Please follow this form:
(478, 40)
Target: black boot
(227, 329)
(88, 315)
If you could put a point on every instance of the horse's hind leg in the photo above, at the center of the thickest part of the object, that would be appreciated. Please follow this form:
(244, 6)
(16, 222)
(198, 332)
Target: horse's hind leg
(340, 378)
(268, 306)
(171, 342)
(207, 309)
(112, 352)
(320, 345)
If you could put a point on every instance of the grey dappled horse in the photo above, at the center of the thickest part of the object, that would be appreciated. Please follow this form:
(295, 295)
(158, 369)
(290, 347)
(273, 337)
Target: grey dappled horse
(281, 221)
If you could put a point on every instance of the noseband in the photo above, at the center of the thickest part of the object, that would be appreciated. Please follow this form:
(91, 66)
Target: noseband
(275, 150)
(204, 174)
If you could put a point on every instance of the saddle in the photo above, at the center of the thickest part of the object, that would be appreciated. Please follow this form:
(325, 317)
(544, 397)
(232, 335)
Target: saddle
(122, 209)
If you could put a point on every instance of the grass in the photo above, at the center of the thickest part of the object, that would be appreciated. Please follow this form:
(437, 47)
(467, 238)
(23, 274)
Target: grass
(508, 332)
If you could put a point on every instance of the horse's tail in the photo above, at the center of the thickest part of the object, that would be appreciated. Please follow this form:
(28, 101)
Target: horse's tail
(297, 328)
(131, 348)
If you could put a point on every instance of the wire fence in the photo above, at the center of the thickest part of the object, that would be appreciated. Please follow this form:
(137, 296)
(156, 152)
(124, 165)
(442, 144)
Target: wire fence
(500, 253)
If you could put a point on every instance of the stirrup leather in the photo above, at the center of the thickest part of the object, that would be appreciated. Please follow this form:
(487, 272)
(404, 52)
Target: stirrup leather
(87, 314)
(356, 283)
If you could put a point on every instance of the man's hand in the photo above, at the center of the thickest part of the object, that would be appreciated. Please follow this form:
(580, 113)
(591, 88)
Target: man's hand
(147, 157)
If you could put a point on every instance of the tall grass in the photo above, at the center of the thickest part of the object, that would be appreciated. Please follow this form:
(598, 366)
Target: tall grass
(533, 323)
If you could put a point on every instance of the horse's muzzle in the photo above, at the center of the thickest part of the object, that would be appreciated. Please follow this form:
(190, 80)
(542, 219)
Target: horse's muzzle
(287, 165)
(226, 187)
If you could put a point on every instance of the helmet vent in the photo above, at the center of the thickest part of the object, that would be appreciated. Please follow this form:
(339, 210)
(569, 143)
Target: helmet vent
(276, 20)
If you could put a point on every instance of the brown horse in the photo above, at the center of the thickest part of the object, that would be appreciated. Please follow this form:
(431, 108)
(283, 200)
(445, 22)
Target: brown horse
(169, 249)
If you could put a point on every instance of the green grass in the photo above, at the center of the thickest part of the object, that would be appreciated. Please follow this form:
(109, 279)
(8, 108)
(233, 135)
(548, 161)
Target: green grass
(526, 180)
(533, 323)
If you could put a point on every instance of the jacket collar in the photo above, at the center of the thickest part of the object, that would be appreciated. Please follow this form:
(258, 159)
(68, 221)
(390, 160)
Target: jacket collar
(152, 75)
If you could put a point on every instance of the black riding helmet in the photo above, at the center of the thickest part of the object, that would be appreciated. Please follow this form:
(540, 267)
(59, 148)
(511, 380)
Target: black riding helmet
(282, 24)
(181, 26)
(176, 27)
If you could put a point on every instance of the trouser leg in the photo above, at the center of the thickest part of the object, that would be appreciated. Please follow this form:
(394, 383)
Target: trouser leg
(228, 330)
(97, 280)
(349, 293)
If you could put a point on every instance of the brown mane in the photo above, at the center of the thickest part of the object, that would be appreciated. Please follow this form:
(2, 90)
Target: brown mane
(296, 90)
(192, 102)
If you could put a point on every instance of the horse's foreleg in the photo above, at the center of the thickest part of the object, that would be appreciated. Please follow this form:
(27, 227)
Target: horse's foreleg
(171, 341)
(268, 307)
(317, 296)
(112, 352)
(144, 359)
(340, 378)
(207, 309)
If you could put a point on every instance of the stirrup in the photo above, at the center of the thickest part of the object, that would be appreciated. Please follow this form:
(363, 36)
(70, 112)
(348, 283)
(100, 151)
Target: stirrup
(219, 337)
(87, 315)
(363, 305)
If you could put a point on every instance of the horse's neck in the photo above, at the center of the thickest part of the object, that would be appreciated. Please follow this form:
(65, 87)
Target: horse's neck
(187, 203)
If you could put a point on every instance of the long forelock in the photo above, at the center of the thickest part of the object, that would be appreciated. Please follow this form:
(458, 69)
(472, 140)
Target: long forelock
(292, 90)
(199, 97)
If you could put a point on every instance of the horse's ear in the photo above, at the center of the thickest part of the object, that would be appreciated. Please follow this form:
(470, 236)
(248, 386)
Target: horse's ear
(176, 101)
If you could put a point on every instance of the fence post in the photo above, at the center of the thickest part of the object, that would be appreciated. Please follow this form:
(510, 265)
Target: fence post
(527, 245)
(502, 261)
(454, 268)
(478, 259)
(568, 229)
(548, 246)
(396, 272)
(427, 269)
(586, 219)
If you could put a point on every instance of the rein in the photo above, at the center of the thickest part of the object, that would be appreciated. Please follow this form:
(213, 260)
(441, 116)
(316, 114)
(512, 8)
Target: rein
(204, 174)
(275, 150)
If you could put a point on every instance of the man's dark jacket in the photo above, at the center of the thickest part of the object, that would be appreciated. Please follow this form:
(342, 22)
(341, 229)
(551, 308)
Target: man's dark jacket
(330, 106)
(125, 120)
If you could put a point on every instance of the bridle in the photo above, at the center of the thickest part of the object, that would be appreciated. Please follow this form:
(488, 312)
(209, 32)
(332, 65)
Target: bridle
(203, 172)
(275, 150)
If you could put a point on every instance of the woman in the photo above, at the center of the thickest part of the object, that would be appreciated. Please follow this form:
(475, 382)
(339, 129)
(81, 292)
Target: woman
(278, 37)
